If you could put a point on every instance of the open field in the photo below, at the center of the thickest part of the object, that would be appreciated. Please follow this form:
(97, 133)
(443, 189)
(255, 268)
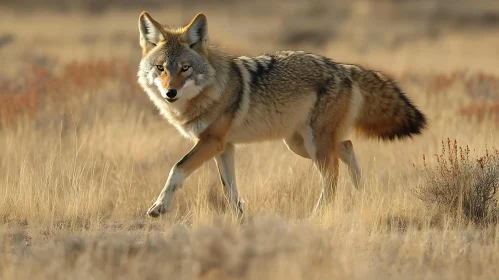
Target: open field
(83, 152)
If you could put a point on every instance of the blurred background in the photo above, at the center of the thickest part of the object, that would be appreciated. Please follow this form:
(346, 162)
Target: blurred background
(397, 35)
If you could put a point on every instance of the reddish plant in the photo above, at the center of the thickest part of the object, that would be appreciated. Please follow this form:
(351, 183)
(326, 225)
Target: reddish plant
(461, 184)
(59, 91)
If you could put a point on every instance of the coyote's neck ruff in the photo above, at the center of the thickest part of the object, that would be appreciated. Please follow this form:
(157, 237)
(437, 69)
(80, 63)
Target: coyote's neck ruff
(309, 101)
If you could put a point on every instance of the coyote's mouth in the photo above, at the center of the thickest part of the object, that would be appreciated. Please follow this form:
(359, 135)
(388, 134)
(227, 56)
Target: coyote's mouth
(171, 100)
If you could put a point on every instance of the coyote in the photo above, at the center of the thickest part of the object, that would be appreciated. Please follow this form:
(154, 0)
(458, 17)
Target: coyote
(309, 101)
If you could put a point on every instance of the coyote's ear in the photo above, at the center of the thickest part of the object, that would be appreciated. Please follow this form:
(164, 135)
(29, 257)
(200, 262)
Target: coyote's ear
(150, 31)
(196, 32)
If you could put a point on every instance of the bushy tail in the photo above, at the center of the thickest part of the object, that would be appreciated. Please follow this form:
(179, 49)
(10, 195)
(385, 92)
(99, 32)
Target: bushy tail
(386, 113)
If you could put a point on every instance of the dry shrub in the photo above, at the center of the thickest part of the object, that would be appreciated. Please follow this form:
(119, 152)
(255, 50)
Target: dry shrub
(483, 86)
(442, 82)
(73, 88)
(14, 105)
(478, 85)
(484, 90)
(460, 185)
(481, 111)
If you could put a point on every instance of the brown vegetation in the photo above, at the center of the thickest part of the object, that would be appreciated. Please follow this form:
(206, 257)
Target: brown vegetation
(461, 186)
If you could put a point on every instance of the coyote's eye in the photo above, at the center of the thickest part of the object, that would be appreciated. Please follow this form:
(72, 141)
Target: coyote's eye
(185, 68)
(160, 68)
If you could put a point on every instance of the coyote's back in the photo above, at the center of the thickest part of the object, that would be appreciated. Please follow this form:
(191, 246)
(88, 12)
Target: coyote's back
(283, 91)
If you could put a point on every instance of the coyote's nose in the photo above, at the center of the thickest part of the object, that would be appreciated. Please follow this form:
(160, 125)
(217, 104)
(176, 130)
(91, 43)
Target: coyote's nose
(171, 93)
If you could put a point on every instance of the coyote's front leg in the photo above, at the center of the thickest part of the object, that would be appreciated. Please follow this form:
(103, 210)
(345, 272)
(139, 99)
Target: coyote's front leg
(211, 143)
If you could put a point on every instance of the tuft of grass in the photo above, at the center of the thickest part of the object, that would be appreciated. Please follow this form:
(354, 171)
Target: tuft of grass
(462, 185)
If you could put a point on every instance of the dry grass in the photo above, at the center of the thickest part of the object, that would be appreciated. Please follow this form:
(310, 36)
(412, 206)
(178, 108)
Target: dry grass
(83, 153)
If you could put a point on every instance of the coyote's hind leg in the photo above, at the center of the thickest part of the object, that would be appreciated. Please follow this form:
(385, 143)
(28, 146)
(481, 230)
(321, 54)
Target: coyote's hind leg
(296, 144)
(347, 156)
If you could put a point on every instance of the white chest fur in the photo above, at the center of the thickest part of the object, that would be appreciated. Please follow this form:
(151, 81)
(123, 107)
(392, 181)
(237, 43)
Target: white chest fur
(193, 129)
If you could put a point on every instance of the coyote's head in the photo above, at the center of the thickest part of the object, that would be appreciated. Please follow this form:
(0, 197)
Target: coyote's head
(174, 62)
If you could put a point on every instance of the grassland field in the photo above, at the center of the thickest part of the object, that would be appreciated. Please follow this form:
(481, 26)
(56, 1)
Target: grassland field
(83, 152)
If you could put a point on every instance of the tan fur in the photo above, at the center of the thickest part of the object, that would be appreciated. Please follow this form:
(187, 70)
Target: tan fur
(387, 113)
(309, 101)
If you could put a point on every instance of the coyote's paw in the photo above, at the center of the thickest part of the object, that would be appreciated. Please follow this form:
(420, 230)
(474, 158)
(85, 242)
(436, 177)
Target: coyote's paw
(240, 207)
(156, 209)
